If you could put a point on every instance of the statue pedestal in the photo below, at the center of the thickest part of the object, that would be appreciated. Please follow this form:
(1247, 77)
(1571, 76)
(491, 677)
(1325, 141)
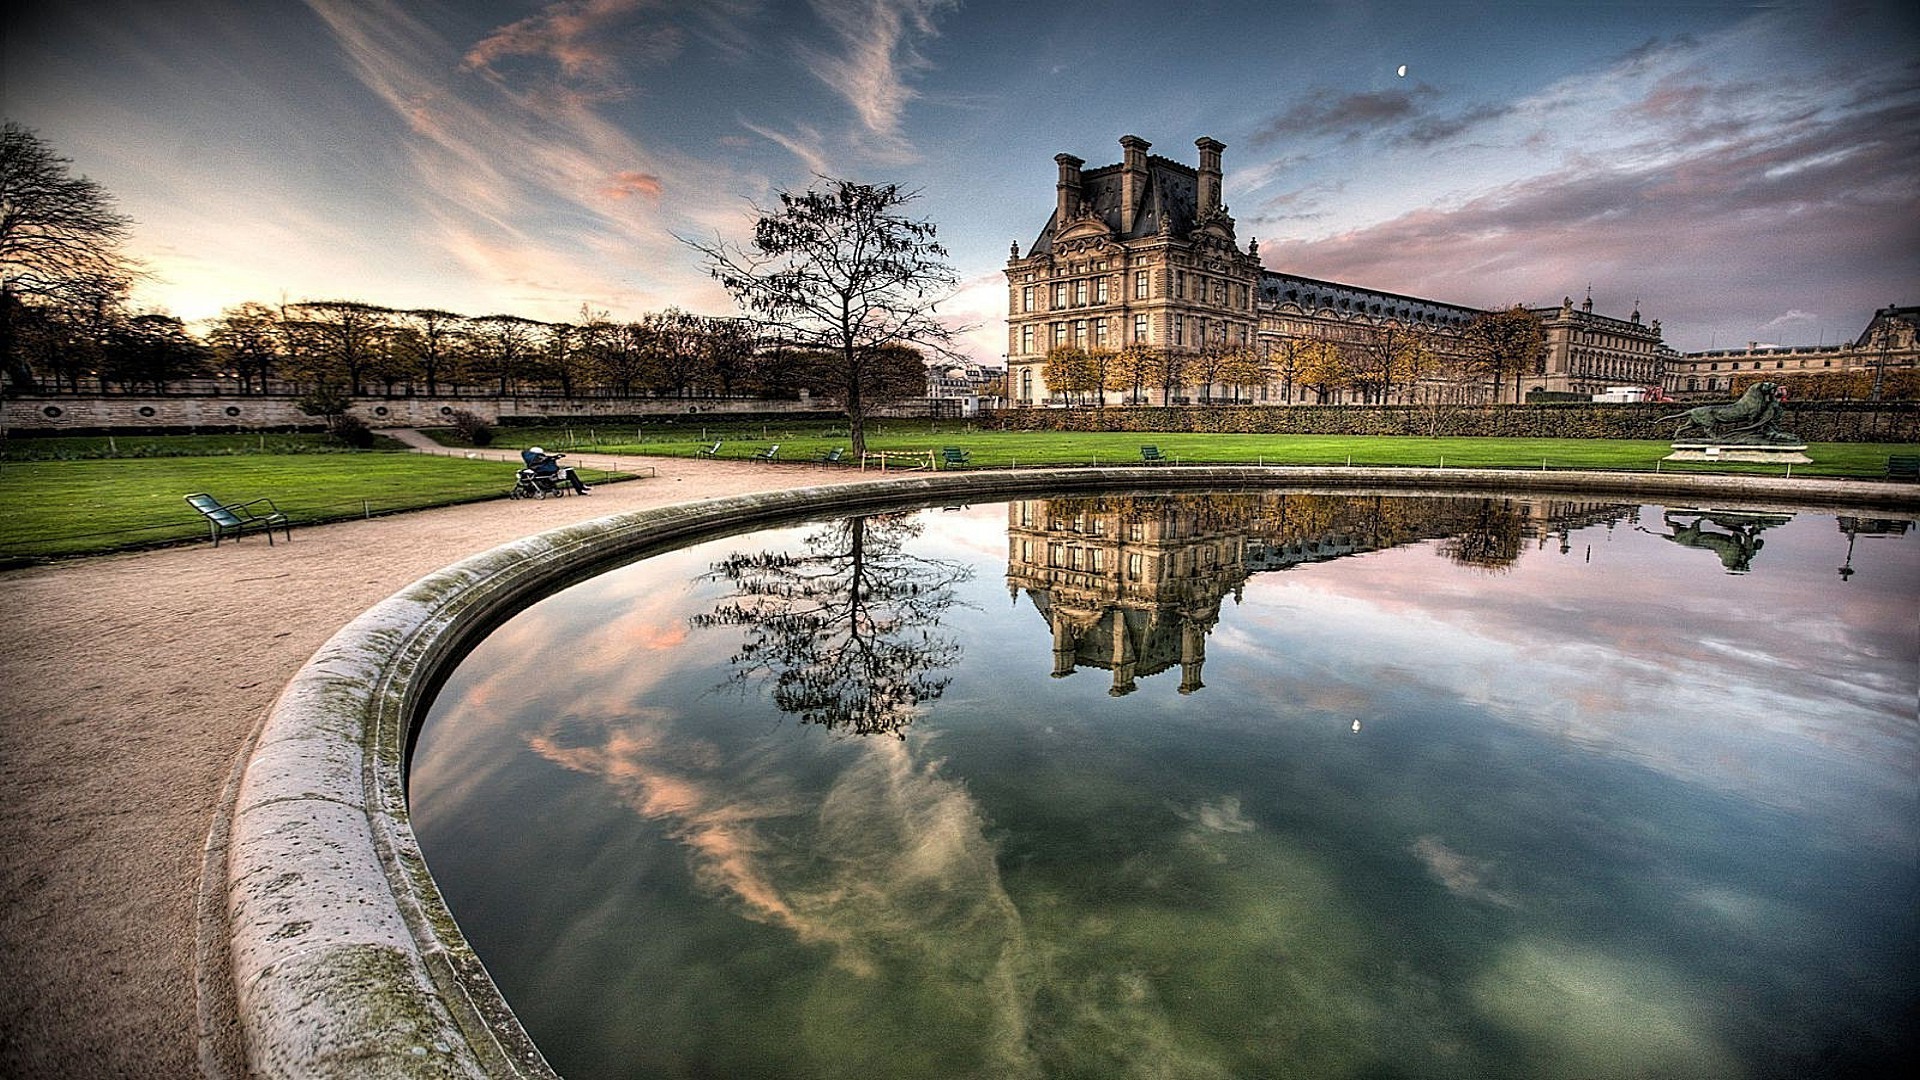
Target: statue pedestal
(1763, 453)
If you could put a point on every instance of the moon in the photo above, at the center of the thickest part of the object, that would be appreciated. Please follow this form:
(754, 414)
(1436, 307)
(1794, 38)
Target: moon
(1402, 72)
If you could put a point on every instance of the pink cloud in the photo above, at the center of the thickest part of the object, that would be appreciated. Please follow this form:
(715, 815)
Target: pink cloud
(628, 184)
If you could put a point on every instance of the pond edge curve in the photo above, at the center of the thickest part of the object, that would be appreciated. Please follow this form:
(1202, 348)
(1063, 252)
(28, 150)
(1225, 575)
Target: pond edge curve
(343, 957)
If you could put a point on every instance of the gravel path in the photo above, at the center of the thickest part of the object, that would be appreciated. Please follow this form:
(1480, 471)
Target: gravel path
(129, 685)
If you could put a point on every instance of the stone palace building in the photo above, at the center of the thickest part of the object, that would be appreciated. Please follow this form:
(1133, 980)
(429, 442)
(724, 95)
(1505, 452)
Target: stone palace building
(1144, 252)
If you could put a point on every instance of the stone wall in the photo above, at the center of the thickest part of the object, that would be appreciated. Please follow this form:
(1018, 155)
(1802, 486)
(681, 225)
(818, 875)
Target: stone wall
(81, 413)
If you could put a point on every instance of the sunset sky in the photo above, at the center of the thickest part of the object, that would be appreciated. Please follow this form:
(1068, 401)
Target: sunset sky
(1745, 172)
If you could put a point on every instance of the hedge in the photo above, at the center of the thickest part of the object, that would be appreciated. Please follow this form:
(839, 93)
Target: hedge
(1814, 421)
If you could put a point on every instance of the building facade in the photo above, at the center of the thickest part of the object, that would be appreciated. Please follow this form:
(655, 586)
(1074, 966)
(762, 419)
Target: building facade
(1588, 354)
(1142, 252)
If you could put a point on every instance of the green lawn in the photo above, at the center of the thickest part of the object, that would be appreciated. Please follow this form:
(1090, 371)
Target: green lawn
(988, 449)
(83, 447)
(64, 498)
(85, 506)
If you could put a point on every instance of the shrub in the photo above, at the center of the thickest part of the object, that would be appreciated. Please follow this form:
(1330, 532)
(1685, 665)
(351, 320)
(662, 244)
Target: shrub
(353, 431)
(471, 429)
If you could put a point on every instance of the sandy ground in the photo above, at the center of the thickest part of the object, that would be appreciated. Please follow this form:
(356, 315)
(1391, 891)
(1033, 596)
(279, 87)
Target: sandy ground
(129, 685)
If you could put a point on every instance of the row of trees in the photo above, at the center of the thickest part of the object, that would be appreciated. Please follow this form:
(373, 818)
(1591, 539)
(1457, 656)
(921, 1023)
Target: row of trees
(837, 286)
(358, 348)
(362, 347)
(1380, 361)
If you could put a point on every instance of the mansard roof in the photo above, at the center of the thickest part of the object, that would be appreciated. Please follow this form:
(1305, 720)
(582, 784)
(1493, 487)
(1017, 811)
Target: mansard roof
(1279, 288)
(1896, 318)
(1169, 204)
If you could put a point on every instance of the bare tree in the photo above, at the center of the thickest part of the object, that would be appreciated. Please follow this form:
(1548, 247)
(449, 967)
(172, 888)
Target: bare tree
(1498, 342)
(246, 338)
(838, 269)
(432, 341)
(348, 336)
(1389, 354)
(60, 257)
(504, 347)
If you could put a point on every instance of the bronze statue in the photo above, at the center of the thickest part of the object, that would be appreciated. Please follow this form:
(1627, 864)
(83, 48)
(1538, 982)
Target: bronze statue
(1754, 418)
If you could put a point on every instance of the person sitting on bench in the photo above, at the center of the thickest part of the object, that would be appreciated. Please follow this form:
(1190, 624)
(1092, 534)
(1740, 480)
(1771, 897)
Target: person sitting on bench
(548, 465)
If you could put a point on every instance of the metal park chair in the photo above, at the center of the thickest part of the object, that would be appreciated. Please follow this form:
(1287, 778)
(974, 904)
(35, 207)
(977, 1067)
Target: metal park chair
(1151, 455)
(953, 457)
(235, 519)
(769, 454)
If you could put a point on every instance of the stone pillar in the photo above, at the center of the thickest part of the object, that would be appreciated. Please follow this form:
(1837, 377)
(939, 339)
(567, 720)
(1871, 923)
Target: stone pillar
(1209, 174)
(1133, 179)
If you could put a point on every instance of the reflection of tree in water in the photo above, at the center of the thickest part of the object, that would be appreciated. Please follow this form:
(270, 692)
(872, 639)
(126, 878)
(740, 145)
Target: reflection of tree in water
(846, 632)
(1488, 535)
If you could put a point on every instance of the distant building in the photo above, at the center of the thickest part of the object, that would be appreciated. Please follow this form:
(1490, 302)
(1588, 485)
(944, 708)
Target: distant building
(1143, 252)
(1890, 343)
(1589, 354)
(1138, 252)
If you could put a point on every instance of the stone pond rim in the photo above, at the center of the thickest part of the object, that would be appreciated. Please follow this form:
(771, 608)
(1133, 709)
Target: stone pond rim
(321, 920)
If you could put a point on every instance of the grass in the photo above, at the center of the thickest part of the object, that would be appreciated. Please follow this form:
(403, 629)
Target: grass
(802, 441)
(76, 496)
(76, 507)
(87, 447)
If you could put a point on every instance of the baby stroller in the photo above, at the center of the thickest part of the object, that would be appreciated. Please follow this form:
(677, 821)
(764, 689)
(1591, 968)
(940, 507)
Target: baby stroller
(529, 484)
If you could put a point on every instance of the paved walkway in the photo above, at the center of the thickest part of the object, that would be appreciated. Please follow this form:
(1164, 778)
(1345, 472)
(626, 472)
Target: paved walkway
(128, 685)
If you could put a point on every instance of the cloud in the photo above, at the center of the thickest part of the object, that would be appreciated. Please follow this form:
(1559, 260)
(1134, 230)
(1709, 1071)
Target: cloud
(628, 184)
(586, 42)
(807, 145)
(1430, 130)
(1462, 876)
(877, 52)
(1822, 208)
(521, 177)
(1350, 116)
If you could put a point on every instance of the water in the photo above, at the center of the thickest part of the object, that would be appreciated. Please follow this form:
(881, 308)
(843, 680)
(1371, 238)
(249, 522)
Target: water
(1315, 786)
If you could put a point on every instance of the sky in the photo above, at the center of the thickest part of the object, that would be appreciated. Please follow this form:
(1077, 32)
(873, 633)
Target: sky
(1741, 172)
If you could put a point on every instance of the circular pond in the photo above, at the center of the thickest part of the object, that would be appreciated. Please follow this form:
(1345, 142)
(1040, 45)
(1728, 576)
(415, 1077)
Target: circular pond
(1236, 784)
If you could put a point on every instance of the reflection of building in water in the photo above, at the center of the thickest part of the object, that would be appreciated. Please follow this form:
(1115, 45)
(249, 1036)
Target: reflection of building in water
(1133, 592)
(1558, 519)
(1133, 584)
(1855, 527)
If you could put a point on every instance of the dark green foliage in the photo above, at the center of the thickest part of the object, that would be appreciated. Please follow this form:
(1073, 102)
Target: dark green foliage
(471, 429)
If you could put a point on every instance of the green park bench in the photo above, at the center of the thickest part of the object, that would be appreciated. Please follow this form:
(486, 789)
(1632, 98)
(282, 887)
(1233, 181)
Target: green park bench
(234, 519)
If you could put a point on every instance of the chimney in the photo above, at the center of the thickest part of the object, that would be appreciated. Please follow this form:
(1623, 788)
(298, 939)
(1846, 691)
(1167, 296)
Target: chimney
(1133, 179)
(1068, 189)
(1209, 174)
